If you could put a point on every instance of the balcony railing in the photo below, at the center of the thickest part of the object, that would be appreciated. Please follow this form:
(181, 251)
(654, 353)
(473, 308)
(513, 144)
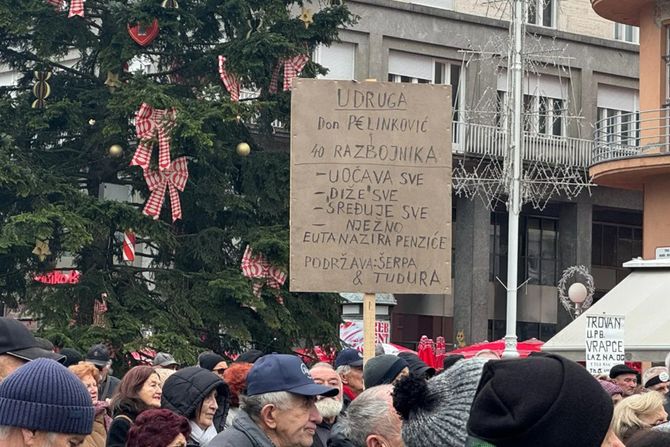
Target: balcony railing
(483, 140)
(624, 135)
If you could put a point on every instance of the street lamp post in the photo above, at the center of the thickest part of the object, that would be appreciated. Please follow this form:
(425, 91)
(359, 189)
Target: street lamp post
(514, 153)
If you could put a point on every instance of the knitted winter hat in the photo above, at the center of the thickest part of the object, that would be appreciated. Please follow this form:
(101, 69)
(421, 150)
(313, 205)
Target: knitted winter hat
(546, 401)
(209, 360)
(610, 388)
(382, 369)
(43, 395)
(435, 412)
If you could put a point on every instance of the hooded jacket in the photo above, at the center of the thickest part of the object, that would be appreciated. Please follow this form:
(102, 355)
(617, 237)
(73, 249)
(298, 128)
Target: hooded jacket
(243, 433)
(185, 390)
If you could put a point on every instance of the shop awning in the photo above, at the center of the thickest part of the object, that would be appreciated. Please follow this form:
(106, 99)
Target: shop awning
(643, 297)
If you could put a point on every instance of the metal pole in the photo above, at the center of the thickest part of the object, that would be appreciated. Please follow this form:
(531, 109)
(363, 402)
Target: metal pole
(515, 150)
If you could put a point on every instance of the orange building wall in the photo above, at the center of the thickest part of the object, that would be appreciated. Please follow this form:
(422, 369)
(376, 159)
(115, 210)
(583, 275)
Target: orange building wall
(652, 75)
(656, 226)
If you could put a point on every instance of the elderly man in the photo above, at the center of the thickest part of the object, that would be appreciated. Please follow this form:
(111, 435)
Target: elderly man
(99, 356)
(18, 346)
(43, 404)
(371, 421)
(625, 377)
(349, 364)
(329, 407)
(278, 409)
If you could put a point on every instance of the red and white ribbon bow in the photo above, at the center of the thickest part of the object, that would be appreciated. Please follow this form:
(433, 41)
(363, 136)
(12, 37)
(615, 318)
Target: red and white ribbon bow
(257, 267)
(173, 179)
(229, 80)
(292, 68)
(76, 7)
(151, 124)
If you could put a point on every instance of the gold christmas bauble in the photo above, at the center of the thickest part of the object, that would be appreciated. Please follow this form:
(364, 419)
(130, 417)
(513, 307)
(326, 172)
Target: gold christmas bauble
(115, 150)
(243, 149)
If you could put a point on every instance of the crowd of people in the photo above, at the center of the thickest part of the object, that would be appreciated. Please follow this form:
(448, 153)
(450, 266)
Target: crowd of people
(66, 399)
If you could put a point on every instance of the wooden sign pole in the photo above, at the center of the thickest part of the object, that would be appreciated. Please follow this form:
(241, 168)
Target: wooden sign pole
(369, 314)
(369, 319)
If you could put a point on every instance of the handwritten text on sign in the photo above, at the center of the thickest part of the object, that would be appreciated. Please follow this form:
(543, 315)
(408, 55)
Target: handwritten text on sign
(604, 342)
(370, 187)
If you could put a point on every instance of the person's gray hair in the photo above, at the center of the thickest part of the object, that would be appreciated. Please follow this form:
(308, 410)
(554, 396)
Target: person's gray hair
(370, 413)
(6, 431)
(322, 365)
(343, 370)
(252, 405)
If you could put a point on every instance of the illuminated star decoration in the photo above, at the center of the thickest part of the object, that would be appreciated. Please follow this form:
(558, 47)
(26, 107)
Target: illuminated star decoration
(112, 81)
(307, 17)
(41, 250)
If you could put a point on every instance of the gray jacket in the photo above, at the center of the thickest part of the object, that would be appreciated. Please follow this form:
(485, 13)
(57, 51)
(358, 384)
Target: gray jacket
(243, 433)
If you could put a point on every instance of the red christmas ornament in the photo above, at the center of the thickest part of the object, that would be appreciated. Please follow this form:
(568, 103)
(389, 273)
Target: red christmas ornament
(142, 34)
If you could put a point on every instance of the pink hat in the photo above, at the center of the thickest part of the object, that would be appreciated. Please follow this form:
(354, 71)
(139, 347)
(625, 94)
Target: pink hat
(611, 388)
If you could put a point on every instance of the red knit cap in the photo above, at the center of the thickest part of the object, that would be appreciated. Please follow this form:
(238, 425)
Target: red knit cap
(157, 428)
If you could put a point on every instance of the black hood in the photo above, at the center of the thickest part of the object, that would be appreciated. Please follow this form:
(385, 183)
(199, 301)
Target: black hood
(185, 390)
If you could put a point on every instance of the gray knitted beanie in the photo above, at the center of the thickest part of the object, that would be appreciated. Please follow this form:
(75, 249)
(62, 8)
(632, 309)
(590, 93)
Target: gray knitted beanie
(435, 412)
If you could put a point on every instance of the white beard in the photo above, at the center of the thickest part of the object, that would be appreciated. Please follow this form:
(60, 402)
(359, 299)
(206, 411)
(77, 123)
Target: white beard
(329, 407)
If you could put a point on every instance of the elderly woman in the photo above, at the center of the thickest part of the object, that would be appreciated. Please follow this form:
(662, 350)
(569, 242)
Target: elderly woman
(90, 376)
(236, 379)
(140, 390)
(637, 412)
(200, 396)
(159, 428)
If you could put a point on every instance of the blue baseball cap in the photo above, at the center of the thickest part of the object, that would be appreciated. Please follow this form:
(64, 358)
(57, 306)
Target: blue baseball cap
(349, 357)
(283, 372)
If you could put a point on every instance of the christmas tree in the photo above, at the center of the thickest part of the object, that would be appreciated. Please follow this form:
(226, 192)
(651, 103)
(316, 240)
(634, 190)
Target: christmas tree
(183, 89)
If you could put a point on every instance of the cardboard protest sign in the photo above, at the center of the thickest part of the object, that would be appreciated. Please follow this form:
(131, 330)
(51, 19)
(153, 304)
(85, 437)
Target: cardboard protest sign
(370, 187)
(604, 342)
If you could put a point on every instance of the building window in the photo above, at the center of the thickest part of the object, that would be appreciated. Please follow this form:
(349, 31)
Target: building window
(339, 58)
(498, 253)
(419, 69)
(618, 127)
(541, 12)
(614, 244)
(538, 249)
(626, 33)
(543, 115)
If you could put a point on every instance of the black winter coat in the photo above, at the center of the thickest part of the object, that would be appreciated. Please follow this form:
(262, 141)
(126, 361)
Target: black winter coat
(185, 390)
(117, 435)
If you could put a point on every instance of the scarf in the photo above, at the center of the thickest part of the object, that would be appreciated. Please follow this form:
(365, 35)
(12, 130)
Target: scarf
(202, 437)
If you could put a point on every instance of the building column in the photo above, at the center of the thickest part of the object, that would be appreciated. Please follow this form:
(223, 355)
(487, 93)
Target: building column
(575, 233)
(471, 276)
(377, 65)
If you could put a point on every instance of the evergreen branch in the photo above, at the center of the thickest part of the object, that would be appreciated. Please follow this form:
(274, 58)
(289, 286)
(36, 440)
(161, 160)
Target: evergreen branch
(25, 56)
